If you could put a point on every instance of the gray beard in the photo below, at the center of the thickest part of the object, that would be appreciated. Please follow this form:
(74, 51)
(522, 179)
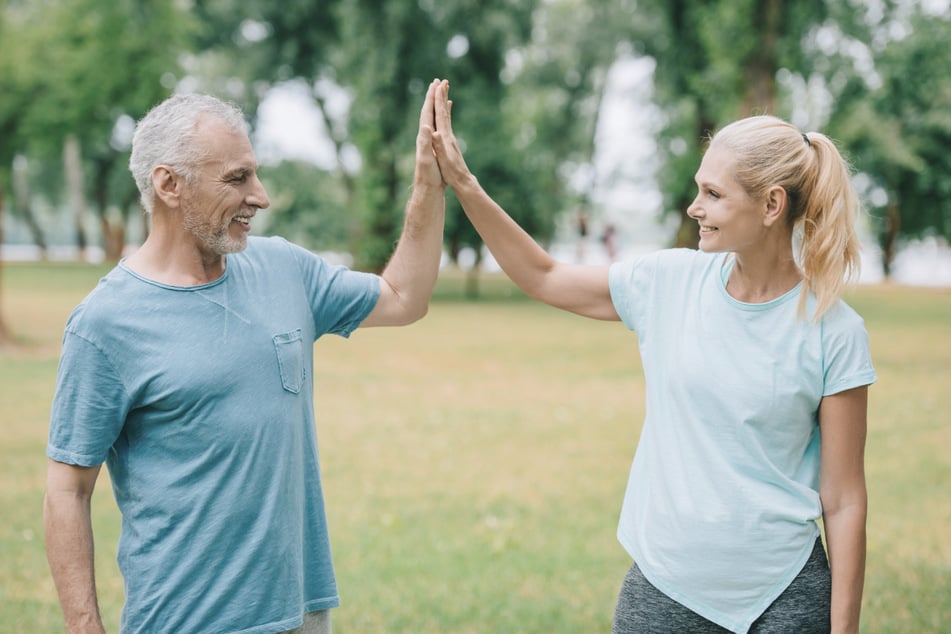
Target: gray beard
(214, 239)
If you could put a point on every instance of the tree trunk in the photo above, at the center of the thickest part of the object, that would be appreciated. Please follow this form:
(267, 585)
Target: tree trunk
(73, 166)
(760, 96)
(6, 337)
(113, 233)
(688, 234)
(472, 277)
(890, 237)
(22, 203)
(376, 246)
(349, 182)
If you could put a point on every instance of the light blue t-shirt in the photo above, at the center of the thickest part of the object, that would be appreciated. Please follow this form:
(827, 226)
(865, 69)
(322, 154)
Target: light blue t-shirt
(721, 505)
(200, 401)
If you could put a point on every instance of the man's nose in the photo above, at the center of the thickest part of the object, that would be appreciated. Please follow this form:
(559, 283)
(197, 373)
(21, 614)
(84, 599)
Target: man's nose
(258, 197)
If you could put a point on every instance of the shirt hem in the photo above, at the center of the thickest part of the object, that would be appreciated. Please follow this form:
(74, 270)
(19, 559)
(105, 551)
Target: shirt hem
(284, 625)
(737, 626)
(842, 385)
(69, 457)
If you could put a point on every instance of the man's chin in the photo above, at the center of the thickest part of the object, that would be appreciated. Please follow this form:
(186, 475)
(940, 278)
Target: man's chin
(231, 245)
(239, 247)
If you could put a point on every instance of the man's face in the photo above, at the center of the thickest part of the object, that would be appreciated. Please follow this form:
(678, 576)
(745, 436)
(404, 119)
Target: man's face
(225, 194)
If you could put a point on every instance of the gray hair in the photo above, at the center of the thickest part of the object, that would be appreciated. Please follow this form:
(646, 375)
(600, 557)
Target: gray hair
(167, 136)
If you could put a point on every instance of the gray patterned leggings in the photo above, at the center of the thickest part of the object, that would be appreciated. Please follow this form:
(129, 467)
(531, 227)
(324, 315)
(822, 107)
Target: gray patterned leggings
(314, 623)
(802, 608)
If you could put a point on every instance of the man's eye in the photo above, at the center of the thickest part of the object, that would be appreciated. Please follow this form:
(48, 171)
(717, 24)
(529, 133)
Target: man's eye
(714, 194)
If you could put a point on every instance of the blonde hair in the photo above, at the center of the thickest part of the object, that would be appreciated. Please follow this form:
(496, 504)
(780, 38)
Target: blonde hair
(822, 205)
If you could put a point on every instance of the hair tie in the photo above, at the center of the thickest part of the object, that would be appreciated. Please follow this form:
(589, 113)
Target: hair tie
(806, 139)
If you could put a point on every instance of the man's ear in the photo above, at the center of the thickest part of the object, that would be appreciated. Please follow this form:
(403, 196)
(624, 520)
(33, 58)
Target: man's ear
(776, 200)
(167, 185)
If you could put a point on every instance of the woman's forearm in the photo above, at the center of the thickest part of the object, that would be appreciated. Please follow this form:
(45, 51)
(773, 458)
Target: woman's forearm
(522, 259)
(845, 537)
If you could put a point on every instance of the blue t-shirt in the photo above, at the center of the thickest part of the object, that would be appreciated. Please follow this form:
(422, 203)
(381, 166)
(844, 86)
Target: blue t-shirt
(721, 505)
(200, 401)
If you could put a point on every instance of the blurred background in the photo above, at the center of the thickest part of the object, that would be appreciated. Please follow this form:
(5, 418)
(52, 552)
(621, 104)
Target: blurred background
(476, 488)
(584, 118)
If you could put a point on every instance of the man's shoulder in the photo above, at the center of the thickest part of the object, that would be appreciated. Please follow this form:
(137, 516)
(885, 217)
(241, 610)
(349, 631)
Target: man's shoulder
(272, 249)
(275, 252)
(266, 245)
(111, 298)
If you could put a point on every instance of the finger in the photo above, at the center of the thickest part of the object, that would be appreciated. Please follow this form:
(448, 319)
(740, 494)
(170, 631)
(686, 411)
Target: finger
(448, 107)
(426, 114)
(443, 122)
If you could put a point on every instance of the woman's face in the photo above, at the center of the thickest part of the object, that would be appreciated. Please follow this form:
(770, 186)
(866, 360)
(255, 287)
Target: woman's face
(730, 220)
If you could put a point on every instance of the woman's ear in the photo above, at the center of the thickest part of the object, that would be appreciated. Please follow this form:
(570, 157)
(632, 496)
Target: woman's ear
(167, 185)
(776, 199)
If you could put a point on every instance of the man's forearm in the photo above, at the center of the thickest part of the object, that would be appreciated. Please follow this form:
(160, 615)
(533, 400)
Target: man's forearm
(69, 549)
(414, 266)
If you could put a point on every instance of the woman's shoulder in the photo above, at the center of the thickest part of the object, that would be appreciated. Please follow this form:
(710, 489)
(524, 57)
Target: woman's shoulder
(673, 257)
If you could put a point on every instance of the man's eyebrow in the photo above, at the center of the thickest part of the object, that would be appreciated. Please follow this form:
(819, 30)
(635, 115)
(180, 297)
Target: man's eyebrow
(238, 171)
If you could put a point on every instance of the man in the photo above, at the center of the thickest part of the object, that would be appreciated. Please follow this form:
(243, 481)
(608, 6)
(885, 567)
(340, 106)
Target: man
(189, 371)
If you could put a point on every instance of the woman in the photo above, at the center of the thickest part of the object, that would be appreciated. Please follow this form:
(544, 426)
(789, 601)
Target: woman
(757, 377)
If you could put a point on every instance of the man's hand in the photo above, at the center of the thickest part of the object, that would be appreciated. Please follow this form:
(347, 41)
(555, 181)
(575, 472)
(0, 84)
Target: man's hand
(427, 170)
(406, 283)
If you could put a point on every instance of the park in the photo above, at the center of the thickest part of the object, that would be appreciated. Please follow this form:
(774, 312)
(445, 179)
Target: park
(476, 487)
(474, 463)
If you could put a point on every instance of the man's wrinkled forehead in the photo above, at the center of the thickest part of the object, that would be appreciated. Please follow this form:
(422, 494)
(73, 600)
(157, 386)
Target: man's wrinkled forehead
(223, 145)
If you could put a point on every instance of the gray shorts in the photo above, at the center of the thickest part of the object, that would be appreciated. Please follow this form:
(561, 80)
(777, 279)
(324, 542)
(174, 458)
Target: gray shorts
(314, 623)
(803, 607)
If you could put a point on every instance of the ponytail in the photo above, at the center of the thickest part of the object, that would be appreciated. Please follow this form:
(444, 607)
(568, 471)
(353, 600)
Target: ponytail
(829, 247)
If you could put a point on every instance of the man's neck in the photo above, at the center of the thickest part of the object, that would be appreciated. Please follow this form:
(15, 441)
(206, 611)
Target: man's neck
(175, 260)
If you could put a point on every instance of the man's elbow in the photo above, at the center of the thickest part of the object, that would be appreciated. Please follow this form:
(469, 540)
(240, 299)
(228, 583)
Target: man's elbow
(414, 313)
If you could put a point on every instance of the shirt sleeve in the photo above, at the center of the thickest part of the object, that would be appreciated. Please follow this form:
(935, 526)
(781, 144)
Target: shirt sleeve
(340, 298)
(846, 350)
(89, 405)
(630, 283)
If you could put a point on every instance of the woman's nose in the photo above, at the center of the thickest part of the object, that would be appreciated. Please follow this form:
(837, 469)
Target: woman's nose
(694, 209)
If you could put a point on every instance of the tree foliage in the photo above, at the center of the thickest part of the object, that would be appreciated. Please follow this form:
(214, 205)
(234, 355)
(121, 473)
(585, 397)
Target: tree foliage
(528, 78)
(718, 61)
(898, 133)
(83, 67)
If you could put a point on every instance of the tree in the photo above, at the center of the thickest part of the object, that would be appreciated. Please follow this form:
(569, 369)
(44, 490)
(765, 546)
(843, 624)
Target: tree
(381, 56)
(308, 206)
(899, 132)
(13, 85)
(475, 51)
(558, 81)
(95, 65)
(717, 61)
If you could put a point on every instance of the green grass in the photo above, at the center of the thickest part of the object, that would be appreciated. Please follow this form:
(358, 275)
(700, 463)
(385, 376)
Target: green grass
(474, 463)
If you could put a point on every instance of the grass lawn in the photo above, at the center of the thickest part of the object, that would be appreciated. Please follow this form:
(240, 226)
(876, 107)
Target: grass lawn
(474, 463)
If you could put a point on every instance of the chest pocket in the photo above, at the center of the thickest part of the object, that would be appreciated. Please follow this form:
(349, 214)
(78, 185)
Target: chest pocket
(290, 359)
